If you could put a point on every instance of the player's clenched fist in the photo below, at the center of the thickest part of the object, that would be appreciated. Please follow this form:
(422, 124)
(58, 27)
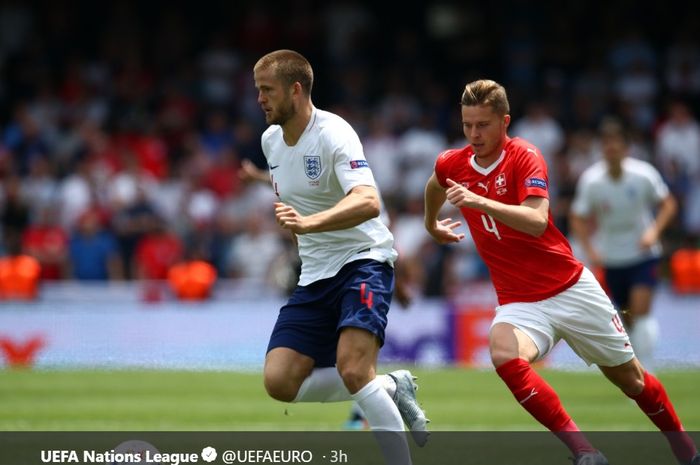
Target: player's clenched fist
(289, 218)
(460, 196)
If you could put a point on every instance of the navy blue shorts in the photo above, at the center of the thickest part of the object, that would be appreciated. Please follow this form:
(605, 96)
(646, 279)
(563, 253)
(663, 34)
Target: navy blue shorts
(358, 296)
(620, 280)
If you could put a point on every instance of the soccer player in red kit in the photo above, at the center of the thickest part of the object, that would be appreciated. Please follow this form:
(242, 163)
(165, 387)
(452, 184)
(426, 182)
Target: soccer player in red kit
(544, 293)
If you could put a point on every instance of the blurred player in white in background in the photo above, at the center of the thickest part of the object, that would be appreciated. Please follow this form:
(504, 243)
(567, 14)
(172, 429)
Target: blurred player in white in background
(613, 218)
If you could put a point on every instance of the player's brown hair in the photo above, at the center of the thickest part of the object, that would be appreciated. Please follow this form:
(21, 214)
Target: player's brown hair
(611, 126)
(486, 92)
(289, 67)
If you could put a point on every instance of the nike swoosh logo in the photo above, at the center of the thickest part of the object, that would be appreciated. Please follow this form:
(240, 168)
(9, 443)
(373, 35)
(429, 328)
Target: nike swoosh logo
(273, 167)
(532, 394)
(661, 410)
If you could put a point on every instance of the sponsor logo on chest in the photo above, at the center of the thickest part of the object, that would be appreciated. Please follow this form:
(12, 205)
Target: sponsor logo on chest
(484, 186)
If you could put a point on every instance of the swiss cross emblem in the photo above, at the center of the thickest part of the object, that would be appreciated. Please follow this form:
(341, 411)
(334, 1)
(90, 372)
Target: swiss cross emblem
(501, 180)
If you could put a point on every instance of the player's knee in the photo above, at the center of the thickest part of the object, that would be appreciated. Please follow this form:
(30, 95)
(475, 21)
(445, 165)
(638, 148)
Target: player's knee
(500, 356)
(629, 377)
(632, 385)
(354, 378)
(280, 388)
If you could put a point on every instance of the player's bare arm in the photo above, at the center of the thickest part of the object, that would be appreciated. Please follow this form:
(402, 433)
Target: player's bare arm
(248, 172)
(666, 212)
(441, 230)
(583, 231)
(530, 217)
(359, 205)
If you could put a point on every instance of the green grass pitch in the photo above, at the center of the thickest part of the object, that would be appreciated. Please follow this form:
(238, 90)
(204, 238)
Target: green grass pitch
(455, 400)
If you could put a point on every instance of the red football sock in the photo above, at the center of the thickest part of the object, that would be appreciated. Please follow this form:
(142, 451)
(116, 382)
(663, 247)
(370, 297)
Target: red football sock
(538, 398)
(655, 403)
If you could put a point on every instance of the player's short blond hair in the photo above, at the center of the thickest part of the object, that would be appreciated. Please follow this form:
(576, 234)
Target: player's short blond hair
(289, 67)
(486, 92)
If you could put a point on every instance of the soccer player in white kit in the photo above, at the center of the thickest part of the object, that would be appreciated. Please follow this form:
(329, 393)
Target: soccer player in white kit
(326, 341)
(620, 195)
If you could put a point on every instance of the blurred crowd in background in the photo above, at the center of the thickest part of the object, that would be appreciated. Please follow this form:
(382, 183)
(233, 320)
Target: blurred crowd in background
(123, 124)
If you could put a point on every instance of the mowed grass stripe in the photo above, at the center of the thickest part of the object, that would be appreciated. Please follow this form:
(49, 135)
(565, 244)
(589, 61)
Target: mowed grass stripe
(455, 399)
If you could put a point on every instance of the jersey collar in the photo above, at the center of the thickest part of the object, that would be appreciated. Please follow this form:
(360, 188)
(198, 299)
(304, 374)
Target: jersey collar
(488, 169)
(311, 122)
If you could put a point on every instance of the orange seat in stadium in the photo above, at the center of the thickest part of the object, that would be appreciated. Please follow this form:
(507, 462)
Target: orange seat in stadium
(19, 277)
(192, 280)
(685, 271)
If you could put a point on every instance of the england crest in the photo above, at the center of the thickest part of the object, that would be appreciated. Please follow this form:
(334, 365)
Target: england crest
(312, 166)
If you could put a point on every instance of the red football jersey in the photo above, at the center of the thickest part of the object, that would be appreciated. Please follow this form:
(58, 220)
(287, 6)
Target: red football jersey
(523, 268)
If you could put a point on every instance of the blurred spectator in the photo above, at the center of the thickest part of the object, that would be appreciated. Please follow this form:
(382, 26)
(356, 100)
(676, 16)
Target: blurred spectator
(383, 155)
(409, 241)
(168, 197)
(640, 145)
(175, 117)
(157, 251)
(47, 241)
(441, 278)
(520, 58)
(591, 94)
(218, 62)
(216, 136)
(682, 73)
(678, 141)
(408, 229)
(150, 150)
(678, 156)
(14, 210)
(347, 26)
(542, 130)
(636, 90)
(199, 204)
(419, 146)
(129, 185)
(260, 236)
(76, 192)
(247, 139)
(583, 150)
(94, 107)
(399, 107)
(93, 249)
(46, 110)
(100, 150)
(221, 177)
(24, 139)
(631, 48)
(130, 224)
(39, 187)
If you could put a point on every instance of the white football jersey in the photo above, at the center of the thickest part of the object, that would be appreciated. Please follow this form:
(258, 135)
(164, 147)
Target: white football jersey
(623, 208)
(314, 175)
